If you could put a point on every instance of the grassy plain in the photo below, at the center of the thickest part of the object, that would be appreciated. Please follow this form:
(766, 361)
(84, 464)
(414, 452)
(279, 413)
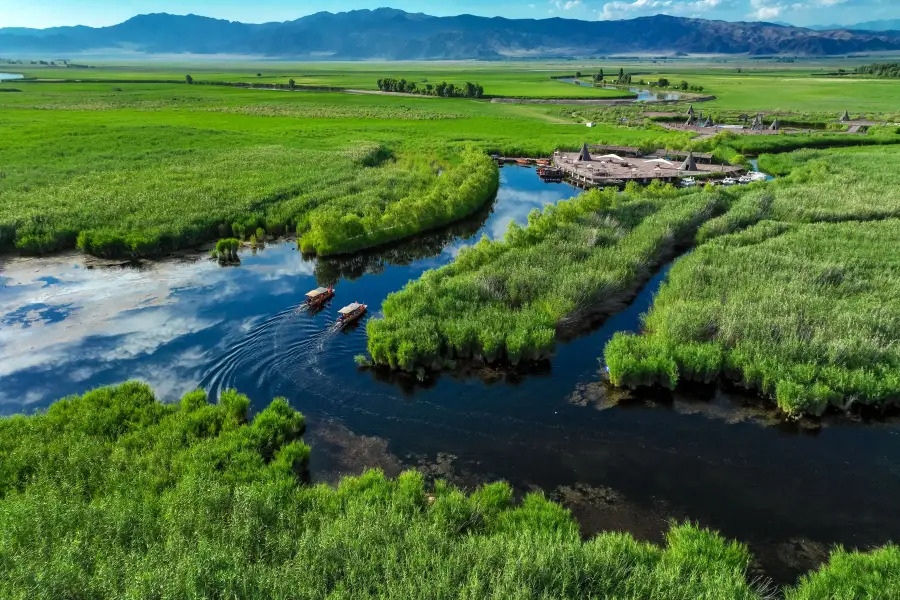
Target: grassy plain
(115, 495)
(737, 83)
(138, 169)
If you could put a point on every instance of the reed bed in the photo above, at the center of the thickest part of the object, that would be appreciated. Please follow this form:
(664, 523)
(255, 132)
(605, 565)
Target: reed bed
(347, 225)
(504, 300)
(792, 292)
(115, 495)
(806, 314)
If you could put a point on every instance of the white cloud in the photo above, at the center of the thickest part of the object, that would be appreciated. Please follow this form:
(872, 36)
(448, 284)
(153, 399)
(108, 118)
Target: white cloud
(567, 4)
(624, 9)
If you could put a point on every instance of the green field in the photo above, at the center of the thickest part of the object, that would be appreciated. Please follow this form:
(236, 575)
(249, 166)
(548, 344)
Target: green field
(114, 495)
(737, 83)
(139, 169)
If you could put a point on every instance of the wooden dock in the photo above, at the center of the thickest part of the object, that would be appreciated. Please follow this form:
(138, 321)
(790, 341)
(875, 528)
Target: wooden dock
(587, 170)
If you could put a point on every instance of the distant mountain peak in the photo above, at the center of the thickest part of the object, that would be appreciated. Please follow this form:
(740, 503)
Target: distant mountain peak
(393, 34)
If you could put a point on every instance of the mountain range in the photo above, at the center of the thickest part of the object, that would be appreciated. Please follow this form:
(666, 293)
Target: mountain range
(391, 34)
(883, 25)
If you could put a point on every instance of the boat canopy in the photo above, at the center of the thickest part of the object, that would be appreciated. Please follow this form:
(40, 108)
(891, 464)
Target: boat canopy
(317, 292)
(350, 309)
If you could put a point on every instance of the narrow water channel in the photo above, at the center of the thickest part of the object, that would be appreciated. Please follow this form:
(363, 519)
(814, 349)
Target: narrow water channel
(620, 465)
(643, 94)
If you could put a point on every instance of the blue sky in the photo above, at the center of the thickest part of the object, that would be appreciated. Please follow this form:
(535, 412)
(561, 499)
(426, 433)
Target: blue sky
(48, 13)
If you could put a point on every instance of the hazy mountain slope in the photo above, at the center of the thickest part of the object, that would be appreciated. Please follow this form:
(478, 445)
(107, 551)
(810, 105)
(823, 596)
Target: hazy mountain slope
(394, 34)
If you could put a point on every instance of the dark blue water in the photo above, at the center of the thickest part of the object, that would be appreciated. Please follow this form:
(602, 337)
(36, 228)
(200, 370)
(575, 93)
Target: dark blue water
(643, 94)
(179, 324)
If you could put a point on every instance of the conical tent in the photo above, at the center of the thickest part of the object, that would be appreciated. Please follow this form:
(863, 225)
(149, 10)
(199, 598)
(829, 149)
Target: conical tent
(584, 155)
(690, 121)
(776, 125)
(845, 117)
(689, 164)
(757, 122)
(691, 111)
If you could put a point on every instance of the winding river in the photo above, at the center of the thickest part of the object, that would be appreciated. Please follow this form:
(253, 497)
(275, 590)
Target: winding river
(68, 324)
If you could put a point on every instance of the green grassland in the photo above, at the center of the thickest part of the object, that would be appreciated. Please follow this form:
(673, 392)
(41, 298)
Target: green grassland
(503, 300)
(793, 292)
(737, 83)
(115, 495)
(506, 81)
(139, 169)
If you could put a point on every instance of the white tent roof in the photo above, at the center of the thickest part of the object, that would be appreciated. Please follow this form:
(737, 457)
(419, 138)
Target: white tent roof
(349, 309)
(610, 157)
(316, 292)
(660, 161)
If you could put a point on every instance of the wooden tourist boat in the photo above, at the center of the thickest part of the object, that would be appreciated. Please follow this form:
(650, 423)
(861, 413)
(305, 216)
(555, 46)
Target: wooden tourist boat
(351, 313)
(319, 296)
(550, 174)
(523, 162)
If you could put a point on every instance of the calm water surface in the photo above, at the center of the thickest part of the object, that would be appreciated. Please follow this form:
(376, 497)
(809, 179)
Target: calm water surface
(10, 76)
(643, 94)
(66, 328)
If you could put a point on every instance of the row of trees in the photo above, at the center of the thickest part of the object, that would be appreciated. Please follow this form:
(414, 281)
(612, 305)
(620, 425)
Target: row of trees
(890, 70)
(684, 86)
(443, 89)
(600, 77)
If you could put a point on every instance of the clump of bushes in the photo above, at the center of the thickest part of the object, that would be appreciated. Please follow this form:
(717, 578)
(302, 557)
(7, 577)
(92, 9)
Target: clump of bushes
(227, 250)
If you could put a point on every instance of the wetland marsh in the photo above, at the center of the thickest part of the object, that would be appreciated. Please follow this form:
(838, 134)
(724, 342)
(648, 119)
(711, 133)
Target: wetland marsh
(129, 171)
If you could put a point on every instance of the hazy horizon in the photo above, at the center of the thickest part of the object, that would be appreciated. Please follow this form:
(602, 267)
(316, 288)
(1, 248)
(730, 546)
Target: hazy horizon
(99, 13)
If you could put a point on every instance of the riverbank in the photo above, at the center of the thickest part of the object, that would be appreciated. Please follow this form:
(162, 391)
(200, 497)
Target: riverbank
(793, 293)
(235, 486)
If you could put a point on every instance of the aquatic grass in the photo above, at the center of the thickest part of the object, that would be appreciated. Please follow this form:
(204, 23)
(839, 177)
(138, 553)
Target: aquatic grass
(875, 574)
(792, 292)
(116, 495)
(805, 314)
(505, 300)
(344, 227)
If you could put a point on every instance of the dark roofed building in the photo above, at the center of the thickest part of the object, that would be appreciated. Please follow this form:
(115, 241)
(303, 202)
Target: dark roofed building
(584, 155)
